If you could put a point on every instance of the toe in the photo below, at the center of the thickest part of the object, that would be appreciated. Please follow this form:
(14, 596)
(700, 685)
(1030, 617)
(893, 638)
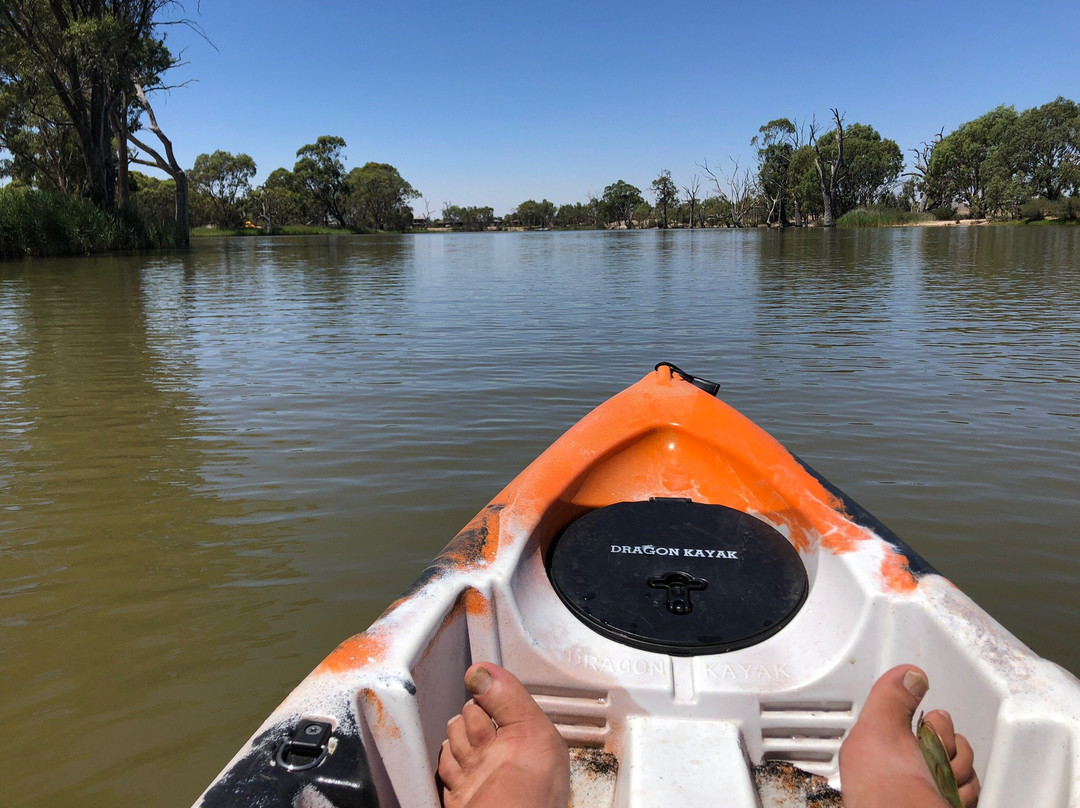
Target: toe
(942, 723)
(449, 769)
(894, 698)
(501, 695)
(478, 725)
(457, 738)
(963, 762)
(969, 793)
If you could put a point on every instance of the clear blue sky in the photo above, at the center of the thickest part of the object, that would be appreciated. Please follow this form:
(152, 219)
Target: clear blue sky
(495, 103)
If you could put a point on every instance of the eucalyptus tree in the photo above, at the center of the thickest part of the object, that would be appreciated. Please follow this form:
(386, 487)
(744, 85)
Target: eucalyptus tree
(643, 214)
(1040, 153)
(224, 178)
(533, 214)
(164, 160)
(321, 173)
(43, 147)
(804, 187)
(873, 166)
(776, 142)
(579, 214)
(570, 215)
(619, 201)
(152, 197)
(379, 197)
(855, 166)
(84, 60)
(279, 201)
(470, 218)
(829, 164)
(964, 165)
(666, 193)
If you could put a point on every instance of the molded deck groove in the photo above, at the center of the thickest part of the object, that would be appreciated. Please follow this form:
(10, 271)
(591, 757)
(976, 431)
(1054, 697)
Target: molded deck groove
(577, 735)
(581, 719)
(591, 712)
(806, 707)
(807, 734)
(571, 693)
(800, 733)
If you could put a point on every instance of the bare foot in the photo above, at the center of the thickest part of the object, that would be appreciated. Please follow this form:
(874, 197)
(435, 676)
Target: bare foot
(502, 751)
(881, 765)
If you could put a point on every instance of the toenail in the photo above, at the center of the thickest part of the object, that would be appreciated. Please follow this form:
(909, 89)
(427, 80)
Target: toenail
(916, 684)
(452, 720)
(479, 681)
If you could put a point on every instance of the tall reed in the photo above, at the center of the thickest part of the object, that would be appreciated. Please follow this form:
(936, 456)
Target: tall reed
(44, 223)
(880, 217)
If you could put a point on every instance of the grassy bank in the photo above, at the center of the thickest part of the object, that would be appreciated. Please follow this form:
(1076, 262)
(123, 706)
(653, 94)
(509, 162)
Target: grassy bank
(1043, 222)
(43, 224)
(881, 217)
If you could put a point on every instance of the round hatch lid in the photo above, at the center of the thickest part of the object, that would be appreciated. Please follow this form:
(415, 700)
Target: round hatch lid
(678, 577)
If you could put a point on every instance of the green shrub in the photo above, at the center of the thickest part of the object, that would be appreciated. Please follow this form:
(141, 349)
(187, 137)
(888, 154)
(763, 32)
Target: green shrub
(943, 214)
(1064, 208)
(1032, 210)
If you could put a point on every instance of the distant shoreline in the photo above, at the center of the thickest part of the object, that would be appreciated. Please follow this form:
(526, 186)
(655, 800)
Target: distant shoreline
(206, 232)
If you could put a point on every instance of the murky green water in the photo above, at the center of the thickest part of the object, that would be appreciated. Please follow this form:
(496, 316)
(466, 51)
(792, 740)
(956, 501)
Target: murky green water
(214, 466)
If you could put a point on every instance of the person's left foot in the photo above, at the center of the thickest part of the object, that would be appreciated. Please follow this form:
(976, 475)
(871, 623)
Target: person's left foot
(502, 751)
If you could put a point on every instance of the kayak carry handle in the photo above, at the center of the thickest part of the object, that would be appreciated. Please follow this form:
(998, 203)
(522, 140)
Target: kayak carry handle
(712, 388)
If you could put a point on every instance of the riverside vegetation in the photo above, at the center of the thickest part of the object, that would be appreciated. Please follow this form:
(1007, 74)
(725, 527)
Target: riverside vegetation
(75, 116)
(47, 223)
(1024, 166)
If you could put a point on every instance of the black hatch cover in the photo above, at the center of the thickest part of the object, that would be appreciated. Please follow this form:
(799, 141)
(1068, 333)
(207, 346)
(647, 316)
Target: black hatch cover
(678, 577)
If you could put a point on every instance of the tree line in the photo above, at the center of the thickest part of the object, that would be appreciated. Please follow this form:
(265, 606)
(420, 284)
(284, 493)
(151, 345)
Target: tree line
(76, 79)
(76, 118)
(317, 191)
(1002, 165)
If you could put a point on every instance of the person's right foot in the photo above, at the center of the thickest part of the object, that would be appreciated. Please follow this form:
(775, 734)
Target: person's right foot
(881, 764)
(502, 751)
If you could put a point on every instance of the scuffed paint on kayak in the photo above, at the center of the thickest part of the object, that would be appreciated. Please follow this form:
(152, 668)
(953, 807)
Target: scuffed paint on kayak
(896, 573)
(361, 649)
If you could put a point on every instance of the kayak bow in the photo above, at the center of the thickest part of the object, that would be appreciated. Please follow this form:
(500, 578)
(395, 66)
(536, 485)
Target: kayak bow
(691, 605)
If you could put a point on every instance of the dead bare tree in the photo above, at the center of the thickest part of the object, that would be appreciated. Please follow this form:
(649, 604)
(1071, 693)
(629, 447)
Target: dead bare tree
(923, 155)
(167, 163)
(737, 190)
(829, 169)
(692, 189)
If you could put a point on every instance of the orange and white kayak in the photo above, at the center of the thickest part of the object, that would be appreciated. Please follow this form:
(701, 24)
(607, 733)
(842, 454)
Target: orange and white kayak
(693, 607)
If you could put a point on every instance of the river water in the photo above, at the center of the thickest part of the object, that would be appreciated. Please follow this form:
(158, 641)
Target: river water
(216, 465)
